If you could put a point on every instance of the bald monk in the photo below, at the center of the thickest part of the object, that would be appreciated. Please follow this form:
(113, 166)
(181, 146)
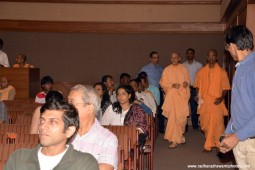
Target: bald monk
(175, 82)
(7, 92)
(212, 85)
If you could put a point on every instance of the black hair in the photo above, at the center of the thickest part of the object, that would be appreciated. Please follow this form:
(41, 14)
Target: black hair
(152, 53)
(1, 43)
(241, 36)
(46, 80)
(70, 114)
(116, 105)
(191, 49)
(142, 74)
(124, 75)
(105, 77)
(54, 96)
(106, 97)
(135, 80)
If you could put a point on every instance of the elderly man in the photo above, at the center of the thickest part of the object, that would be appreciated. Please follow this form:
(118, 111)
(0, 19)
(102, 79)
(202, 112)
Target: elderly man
(92, 137)
(59, 122)
(7, 92)
(175, 82)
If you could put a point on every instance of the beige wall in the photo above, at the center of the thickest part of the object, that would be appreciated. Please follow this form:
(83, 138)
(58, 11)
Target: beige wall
(80, 57)
(110, 12)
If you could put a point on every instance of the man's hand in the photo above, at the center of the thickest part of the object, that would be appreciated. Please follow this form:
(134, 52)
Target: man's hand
(228, 143)
(218, 101)
(137, 102)
(185, 84)
(176, 86)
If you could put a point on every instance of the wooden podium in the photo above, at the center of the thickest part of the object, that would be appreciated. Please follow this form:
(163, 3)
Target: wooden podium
(26, 81)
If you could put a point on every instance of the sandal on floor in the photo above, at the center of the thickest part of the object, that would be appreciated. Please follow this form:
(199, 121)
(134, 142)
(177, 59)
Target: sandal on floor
(172, 146)
(183, 141)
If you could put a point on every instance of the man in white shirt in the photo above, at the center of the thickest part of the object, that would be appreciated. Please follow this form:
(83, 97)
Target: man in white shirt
(193, 66)
(4, 62)
(59, 122)
(92, 137)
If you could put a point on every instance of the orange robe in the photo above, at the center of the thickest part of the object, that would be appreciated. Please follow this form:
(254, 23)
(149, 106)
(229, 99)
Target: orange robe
(175, 107)
(211, 83)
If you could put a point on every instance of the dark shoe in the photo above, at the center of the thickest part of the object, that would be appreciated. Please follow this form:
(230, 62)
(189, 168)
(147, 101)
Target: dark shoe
(162, 132)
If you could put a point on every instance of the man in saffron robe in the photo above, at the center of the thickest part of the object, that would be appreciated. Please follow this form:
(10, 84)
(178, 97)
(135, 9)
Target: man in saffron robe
(212, 85)
(175, 82)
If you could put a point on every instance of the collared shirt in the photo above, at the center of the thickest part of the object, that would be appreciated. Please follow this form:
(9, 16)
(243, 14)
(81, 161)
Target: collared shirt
(193, 68)
(40, 97)
(4, 59)
(242, 121)
(153, 73)
(99, 142)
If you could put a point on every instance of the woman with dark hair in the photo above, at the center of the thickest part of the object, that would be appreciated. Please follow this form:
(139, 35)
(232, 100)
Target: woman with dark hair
(125, 111)
(104, 95)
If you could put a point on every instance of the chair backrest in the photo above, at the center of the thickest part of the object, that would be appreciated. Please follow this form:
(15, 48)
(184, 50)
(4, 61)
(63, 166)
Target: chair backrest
(24, 119)
(127, 138)
(14, 138)
(15, 128)
(7, 149)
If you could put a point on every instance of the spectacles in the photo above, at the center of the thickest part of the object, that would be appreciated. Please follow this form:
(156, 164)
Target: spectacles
(73, 102)
(227, 46)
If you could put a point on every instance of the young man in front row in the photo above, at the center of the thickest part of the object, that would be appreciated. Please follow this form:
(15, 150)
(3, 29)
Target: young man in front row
(58, 124)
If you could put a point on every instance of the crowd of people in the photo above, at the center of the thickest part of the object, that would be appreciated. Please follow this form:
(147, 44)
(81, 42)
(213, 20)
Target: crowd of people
(171, 94)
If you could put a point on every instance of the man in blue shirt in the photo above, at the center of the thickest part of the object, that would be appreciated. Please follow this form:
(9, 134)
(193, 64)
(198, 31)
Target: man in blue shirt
(240, 132)
(154, 72)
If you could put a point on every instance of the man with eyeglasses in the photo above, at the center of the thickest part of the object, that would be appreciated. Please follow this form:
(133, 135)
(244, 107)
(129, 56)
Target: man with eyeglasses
(240, 132)
(92, 137)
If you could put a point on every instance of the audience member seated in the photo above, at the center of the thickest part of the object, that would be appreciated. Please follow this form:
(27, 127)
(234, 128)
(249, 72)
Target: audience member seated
(109, 83)
(4, 62)
(3, 113)
(92, 137)
(46, 85)
(7, 92)
(51, 96)
(59, 122)
(124, 79)
(146, 98)
(21, 62)
(149, 88)
(125, 111)
(103, 94)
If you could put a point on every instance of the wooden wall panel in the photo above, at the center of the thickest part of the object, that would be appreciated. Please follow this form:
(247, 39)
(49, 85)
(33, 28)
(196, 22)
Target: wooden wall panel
(25, 81)
(108, 27)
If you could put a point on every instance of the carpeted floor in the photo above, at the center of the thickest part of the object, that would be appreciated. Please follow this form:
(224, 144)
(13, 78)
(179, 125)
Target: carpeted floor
(189, 154)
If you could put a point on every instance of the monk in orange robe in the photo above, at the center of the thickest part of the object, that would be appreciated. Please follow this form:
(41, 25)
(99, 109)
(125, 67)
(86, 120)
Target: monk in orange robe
(212, 85)
(175, 82)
